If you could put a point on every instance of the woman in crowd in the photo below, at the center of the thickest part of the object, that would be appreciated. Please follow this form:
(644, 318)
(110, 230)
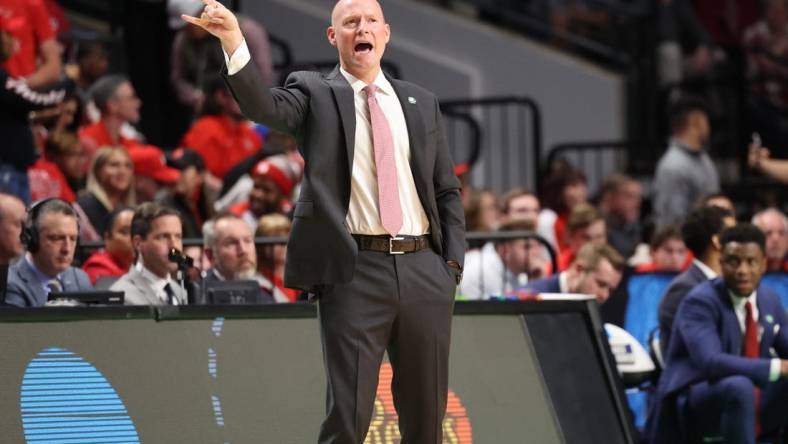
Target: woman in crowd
(110, 185)
(116, 257)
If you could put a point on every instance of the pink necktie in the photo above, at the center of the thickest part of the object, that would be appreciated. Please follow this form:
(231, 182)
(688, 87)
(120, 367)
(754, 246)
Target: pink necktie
(383, 144)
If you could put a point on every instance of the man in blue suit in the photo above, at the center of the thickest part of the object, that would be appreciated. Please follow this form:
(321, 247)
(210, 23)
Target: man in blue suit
(722, 378)
(596, 271)
(50, 236)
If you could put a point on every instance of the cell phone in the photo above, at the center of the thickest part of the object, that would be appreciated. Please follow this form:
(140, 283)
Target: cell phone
(756, 139)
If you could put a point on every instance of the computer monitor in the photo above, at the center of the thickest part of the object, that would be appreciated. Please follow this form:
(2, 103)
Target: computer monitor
(89, 297)
(241, 292)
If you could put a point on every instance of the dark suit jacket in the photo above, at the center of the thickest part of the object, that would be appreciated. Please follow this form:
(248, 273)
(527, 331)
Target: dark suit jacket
(319, 111)
(24, 289)
(677, 290)
(706, 346)
(546, 285)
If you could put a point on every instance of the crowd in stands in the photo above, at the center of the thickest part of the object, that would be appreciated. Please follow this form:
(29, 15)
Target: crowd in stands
(71, 143)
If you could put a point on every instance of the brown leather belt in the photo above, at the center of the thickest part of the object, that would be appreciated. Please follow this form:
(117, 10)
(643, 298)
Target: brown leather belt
(392, 245)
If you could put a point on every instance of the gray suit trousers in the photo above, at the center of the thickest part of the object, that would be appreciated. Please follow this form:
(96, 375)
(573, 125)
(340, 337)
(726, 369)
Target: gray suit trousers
(397, 303)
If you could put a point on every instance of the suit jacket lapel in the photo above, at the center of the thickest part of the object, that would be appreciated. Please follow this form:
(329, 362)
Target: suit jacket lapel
(729, 319)
(343, 94)
(28, 275)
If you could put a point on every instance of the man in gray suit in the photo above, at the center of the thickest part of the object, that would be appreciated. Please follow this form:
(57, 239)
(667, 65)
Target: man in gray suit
(378, 232)
(50, 236)
(155, 230)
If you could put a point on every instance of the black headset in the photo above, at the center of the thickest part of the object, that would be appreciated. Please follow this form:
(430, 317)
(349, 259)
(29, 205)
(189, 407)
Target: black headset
(29, 234)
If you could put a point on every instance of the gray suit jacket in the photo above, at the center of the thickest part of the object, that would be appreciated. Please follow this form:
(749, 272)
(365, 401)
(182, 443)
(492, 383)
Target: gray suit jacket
(137, 290)
(319, 111)
(24, 289)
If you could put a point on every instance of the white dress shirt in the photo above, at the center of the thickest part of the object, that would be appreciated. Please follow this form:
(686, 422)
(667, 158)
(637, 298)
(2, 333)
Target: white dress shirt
(363, 215)
(739, 306)
(158, 284)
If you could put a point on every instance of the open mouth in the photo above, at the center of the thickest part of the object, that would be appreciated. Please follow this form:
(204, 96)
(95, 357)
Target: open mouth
(363, 47)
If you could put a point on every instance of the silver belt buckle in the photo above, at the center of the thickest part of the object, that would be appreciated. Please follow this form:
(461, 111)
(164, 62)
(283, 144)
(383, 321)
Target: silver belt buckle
(391, 245)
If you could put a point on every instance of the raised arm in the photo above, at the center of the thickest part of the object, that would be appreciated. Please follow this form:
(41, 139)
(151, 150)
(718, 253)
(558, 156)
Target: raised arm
(219, 22)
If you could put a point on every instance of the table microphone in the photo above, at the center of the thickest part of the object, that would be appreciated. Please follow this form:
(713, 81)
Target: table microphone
(179, 258)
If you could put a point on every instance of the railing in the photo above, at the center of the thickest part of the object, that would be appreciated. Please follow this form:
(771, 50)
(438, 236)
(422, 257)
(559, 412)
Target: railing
(509, 139)
(596, 159)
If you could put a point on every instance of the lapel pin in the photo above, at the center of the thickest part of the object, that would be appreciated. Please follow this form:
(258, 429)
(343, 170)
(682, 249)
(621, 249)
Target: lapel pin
(411, 100)
(769, 319)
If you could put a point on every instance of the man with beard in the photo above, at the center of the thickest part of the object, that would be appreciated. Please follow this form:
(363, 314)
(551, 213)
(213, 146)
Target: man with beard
(229, 245)
(273, 181)
(685, 173)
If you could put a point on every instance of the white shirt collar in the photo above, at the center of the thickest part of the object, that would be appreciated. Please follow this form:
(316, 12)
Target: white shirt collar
(710, 274)
(156, 283)
(380, 81)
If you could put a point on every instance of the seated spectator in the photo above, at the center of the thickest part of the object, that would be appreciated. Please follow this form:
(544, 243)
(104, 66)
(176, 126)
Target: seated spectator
(153, 179)
(189, 195)
(271, 258)
(522, 204)
(563, 189)
(237, 183)
(12, 217)
(726, 364)
(701, 235)
(110, 185)
(229, 245)
(774, 225)
(718, 200)
(503, 267)
(50, 236)
(60, 171)
(119, 108)
(685, 173)
(155, 230)
(481, 211)
(596, 271)
(585, 224)
(222, 135)
(118, 254)
(619, 201)
(273, 181)
(668, 252)
(765, 45)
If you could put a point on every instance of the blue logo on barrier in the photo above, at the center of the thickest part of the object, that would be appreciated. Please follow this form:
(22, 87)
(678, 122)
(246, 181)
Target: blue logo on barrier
(66, 400)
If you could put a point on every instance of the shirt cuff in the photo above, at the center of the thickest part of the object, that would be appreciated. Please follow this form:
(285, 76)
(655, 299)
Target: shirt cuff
(774, 370)
(238, 60)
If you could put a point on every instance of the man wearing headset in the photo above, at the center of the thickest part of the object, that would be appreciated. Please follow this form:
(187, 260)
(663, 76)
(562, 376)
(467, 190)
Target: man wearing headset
(50, 237)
